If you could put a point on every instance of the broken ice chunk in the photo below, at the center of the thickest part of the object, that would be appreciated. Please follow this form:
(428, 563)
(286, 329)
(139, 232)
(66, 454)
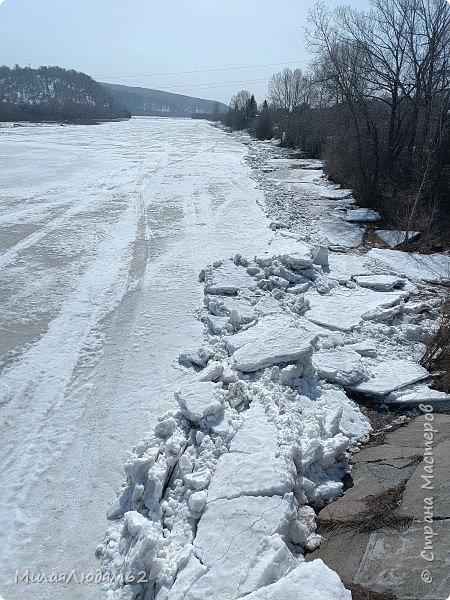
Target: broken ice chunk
(362, 215)
(228, 279)
(341, 366)
(391, 375)
(315, 580)
(290, 345)
(213, 372)
(420, 394)
(199, 358)
(365, 348)
(197, 501)
(320, 256)
(434, 268)
(383, 283)
(247, 526)
(224, 306)
(346, 311)
(199, 399)
(199, 479)
(268, 306)
(257, 474)
(257, 434)
(393, 238)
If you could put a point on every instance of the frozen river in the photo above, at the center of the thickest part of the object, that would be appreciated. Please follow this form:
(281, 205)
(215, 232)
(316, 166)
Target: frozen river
(103, 230)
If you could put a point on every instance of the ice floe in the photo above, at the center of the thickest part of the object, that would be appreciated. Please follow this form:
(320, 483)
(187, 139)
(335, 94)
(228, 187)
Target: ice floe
(393, 238)
(433, 268)
(362, 215)
(339, 366)
(415, 395)
(288, 346)
(390, 375)
(199, 400)
(384, 283)
(345, 311)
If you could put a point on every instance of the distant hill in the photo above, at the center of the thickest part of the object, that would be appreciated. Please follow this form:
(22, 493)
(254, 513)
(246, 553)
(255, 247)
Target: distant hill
(54, 94)
(143, 101)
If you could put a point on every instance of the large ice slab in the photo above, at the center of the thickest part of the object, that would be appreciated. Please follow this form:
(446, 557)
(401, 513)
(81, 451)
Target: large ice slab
(228, 279)
(232, 531)
(362, 215)
(257, 434)
(434, 268)
(339, 232)
(395, 237)
(309, 581)
(343, 267)
(290, 345)
(419, 394)
(256, 474)
(199, 399)
(390, 375)
(346, 311)
(289, 251)
(383, 283)
(267, 327)
(223, 306)
(341, 366)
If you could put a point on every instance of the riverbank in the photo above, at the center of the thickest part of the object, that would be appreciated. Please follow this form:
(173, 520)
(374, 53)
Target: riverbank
(266, 424)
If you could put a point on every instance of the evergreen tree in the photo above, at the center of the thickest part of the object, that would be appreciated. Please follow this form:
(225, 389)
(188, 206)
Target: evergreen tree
(251, 109)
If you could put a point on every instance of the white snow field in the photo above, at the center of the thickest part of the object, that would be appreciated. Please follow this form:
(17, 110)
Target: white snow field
(103, 232)
(149, 302)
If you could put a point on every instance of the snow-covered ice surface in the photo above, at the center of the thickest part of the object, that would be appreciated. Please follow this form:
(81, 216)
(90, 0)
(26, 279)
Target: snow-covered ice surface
(242, 438)
(104, 231)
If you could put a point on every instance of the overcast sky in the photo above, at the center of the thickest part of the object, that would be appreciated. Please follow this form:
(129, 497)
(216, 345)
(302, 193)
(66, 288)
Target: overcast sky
(136, 41)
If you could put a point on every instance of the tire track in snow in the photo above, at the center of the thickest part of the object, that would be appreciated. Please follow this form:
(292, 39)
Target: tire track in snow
(12, 254)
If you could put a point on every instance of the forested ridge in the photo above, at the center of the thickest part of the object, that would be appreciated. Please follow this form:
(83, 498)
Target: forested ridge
(374, 104)
(149, 102)
(54, 94)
